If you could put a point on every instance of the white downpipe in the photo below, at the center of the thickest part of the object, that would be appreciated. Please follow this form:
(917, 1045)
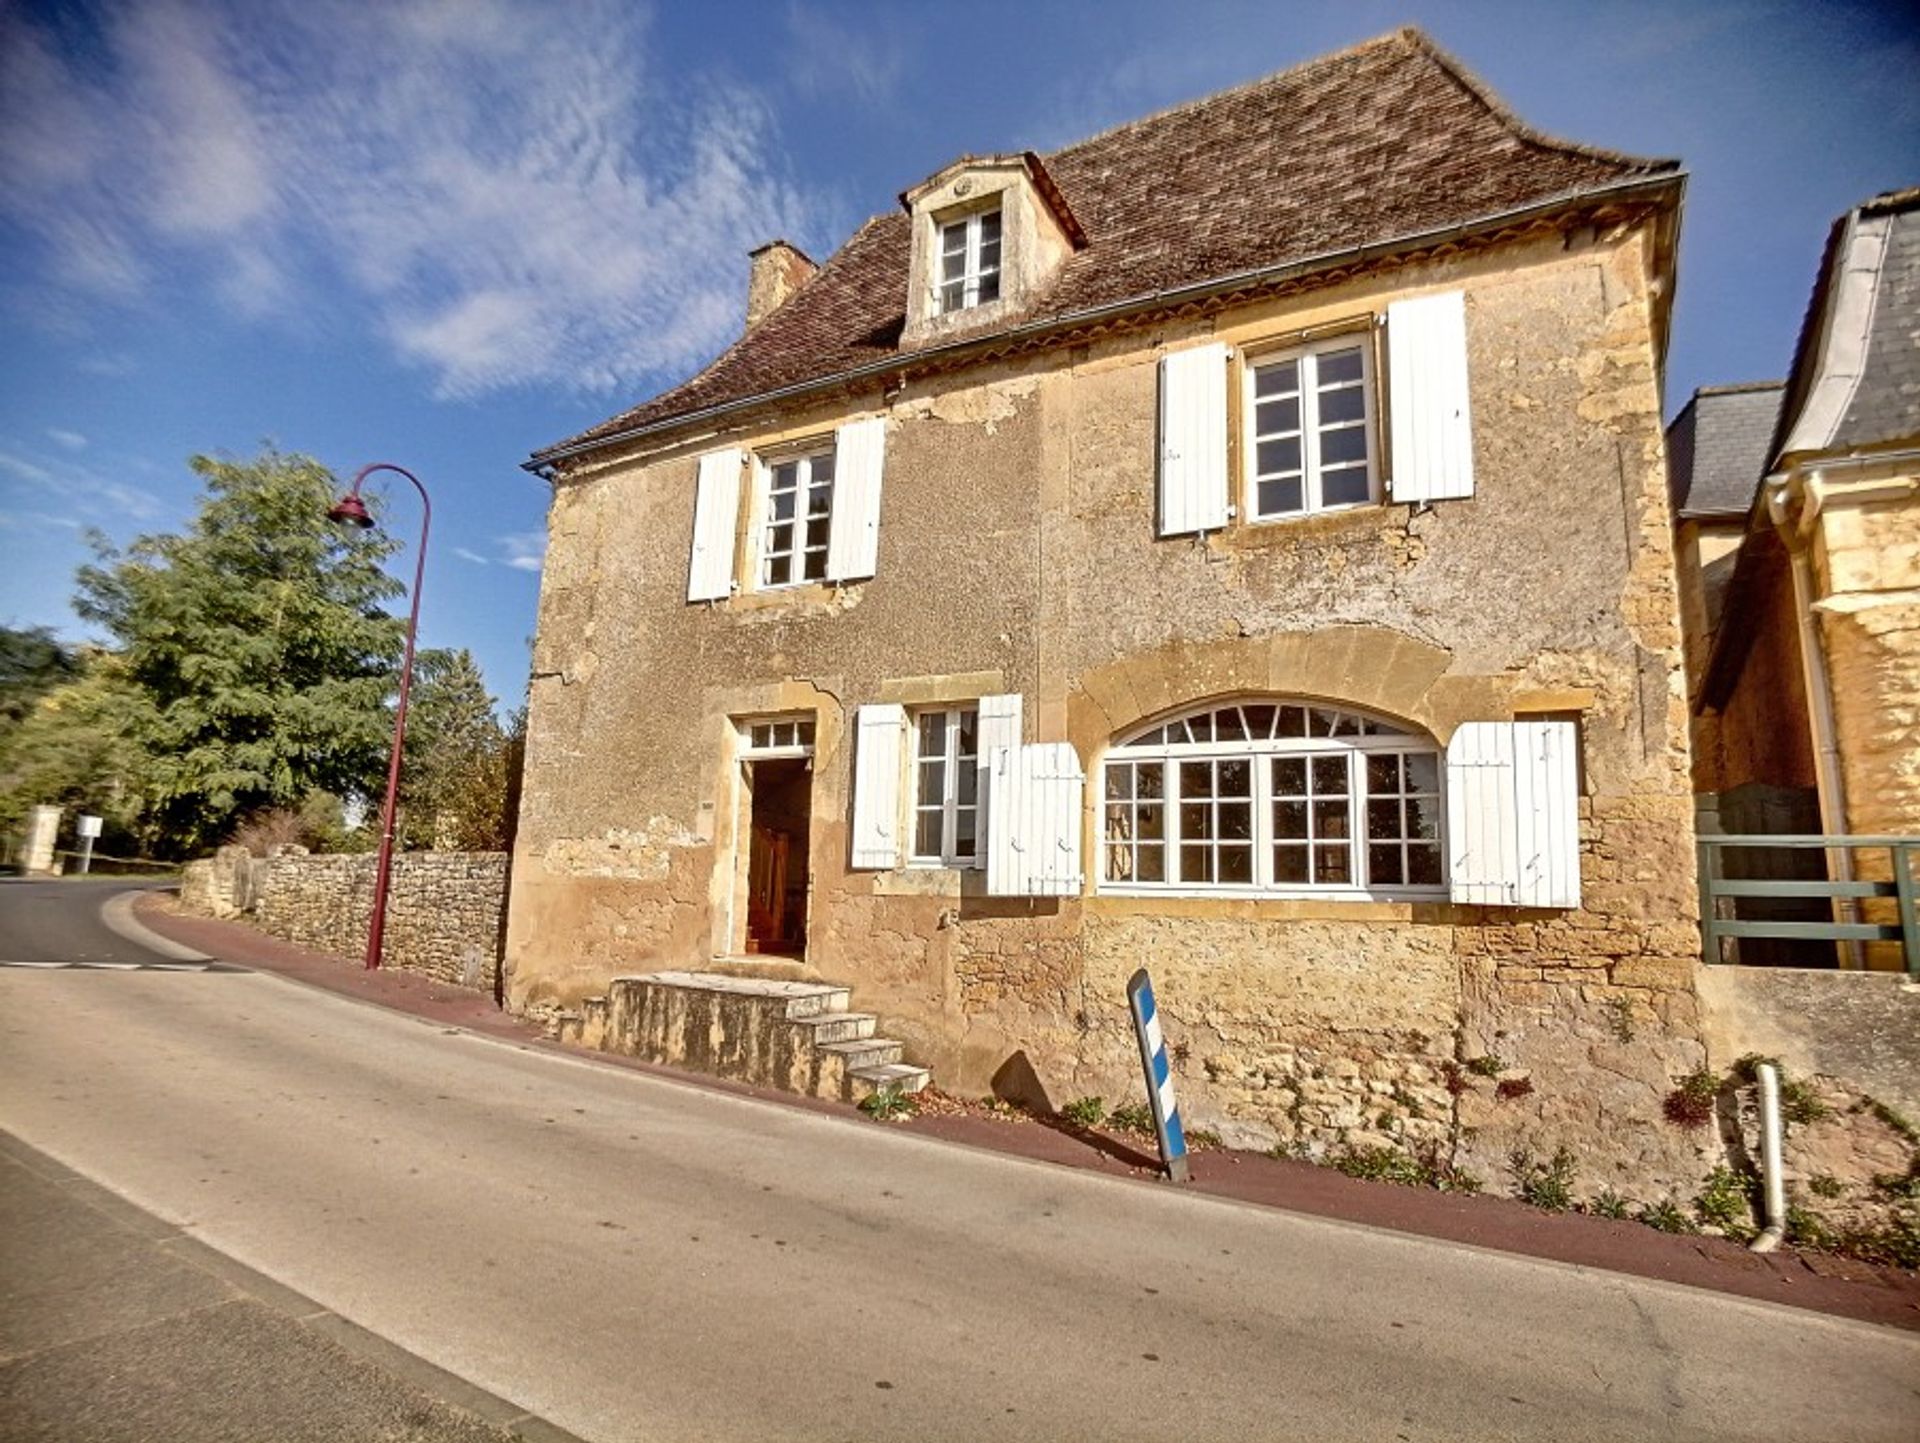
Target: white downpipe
(1774, 1190)
(1826, 744)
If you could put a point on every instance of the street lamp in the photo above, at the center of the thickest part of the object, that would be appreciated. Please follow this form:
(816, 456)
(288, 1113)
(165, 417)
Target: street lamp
(353, 511)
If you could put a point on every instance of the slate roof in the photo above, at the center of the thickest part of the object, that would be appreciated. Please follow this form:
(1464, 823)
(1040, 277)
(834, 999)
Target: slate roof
(1884, 405)
(1390, 139)
(1718, 447)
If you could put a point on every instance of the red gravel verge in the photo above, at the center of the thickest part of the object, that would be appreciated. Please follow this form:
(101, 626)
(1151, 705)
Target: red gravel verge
(1815, 1281)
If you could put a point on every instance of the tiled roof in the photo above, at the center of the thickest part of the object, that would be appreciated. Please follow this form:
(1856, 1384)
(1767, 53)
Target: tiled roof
(1717, 448)
(1886, 405)
(1389, 139)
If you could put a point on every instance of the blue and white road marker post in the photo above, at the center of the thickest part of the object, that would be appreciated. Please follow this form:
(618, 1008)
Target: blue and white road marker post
(1153, 1060)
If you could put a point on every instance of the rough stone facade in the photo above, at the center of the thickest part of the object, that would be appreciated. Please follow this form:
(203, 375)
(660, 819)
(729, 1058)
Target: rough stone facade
(1018, 554)
(443, 908)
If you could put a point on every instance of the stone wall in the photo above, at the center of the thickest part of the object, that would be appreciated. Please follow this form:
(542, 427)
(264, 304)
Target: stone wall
(443, 908)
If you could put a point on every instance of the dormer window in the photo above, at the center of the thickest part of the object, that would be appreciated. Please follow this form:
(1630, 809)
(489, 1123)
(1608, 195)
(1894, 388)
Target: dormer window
(970, 261)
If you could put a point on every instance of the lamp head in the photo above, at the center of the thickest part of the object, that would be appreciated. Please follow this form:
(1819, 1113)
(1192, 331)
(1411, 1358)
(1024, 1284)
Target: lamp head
(351, 510)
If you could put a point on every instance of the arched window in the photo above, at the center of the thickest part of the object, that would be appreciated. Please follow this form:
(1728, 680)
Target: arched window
(1272, 797)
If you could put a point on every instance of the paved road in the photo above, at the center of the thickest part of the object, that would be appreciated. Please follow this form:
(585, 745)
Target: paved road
(634, 1259)
(66, 922)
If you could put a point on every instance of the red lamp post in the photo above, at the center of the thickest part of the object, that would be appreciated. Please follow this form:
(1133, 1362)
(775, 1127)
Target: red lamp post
(353, 511)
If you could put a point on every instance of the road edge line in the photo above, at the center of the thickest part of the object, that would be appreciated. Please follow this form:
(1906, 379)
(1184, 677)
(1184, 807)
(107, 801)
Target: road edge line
(117, 913)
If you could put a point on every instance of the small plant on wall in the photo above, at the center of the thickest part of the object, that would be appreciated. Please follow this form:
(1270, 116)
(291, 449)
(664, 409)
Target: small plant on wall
(1691, 1103)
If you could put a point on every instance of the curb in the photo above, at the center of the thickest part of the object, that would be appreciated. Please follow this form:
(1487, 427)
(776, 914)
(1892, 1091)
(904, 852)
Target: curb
(117, 913)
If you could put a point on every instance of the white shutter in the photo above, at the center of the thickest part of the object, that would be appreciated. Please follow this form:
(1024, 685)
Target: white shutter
(1033, 828)
(880, 730)
(853, 535)
(716, 518)
(1513, 809)
(1193, 440)
(1546, 774)
(1432, 419)
(999, 728)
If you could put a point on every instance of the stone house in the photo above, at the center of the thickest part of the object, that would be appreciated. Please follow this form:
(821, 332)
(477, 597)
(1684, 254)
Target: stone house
(1237, 545)
(1807, 701)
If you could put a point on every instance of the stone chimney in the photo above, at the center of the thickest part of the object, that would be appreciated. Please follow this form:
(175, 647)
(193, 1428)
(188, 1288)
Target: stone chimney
(779, 269)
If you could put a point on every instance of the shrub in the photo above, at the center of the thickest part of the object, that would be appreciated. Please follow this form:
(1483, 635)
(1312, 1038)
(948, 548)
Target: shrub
(1085, 1111)
(1823, 1186)
(889, 1104)
(1547, 1185)
(1725, 1201)
(1511, 1089)
(1202, 1139)
(1486, 1065)
(1609, 1205)
(1799, 1103)
(1691, 1103)
(1388, 1164)
(1133, 1117)
(1666, 1216)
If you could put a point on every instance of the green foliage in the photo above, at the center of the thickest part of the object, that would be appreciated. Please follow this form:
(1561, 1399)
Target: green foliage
(889, 1104)
(1823, 1186)
(1666, 1216)
(1806, 1228)
(459, 785)
(32, 663)
(1485, 1065)
(75, 748)
(1620, 1019)
(1204, 1139)
(1609, 1204)
(255, 649)
(1691, 1103)
(1725, 1201)
(1547, 1185)
(1799, 1103)
(1891, 1118)
(1085, 1111)
(1425, 1168)
(1134, 1117)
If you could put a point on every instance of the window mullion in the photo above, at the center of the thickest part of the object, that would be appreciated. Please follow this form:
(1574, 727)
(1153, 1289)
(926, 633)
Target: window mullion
(950, 791)
(1309, 432)
(1357, 817)
(1261, 791)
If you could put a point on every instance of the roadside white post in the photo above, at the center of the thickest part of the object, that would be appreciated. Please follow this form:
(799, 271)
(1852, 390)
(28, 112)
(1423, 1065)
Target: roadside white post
(43, 827)
(87, 829)
(1153, 1061)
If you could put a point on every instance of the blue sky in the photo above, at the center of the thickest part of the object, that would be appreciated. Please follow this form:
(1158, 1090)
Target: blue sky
(446, 232)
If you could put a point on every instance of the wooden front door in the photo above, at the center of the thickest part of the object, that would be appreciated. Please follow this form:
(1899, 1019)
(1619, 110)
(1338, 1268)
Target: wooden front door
(777, 858)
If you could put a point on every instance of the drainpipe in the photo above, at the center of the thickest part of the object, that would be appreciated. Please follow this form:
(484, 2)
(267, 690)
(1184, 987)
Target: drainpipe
(1774, 1190)
(1830, 783)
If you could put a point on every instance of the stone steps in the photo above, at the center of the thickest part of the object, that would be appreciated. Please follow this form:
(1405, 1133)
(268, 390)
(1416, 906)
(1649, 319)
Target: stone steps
(781, 1032)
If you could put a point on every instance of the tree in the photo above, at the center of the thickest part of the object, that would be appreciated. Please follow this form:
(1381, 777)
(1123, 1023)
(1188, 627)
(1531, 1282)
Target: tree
(32, 663)
(75, 749)
(455, 783)
(256, 647)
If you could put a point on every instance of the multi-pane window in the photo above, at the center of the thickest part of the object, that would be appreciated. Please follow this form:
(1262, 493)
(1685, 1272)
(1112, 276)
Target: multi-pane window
(969, 261)
(796, 517)
(1273, 797)
(946, 793)
(1310, 428)
(778, 737)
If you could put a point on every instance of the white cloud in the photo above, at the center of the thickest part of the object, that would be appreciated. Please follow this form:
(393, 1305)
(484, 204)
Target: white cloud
(101, 500)
(847, 53)
(475, 557)
(523, 550)
(517, 193)
(72, 440)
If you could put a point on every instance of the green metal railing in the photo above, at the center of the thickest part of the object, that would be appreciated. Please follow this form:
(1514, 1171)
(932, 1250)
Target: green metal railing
(1901, 888)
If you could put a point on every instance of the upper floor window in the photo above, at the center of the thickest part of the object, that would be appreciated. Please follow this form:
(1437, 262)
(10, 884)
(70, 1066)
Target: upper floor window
(796, 518)
(1310, 431)
(946, 782)
(1273, 797)
(969, 261)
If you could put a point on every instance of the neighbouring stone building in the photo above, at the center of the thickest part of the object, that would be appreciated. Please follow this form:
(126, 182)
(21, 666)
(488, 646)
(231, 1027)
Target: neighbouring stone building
(1236, 545)
(1807, 701)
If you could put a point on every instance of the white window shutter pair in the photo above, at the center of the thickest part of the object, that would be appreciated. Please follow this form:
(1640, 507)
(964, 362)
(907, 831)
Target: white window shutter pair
(1193, 441)
(879, 764)
(853, 531)
(1513, 814)
(1432, 417)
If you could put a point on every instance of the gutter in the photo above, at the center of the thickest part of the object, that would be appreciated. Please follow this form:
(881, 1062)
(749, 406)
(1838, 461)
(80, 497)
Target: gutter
(542, 463)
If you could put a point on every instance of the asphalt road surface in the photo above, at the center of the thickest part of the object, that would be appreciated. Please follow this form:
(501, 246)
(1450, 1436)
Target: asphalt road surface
(635, 1259)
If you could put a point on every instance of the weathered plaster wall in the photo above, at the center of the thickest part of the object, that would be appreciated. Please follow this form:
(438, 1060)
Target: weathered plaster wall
(1017, 553)
(1761, 734)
